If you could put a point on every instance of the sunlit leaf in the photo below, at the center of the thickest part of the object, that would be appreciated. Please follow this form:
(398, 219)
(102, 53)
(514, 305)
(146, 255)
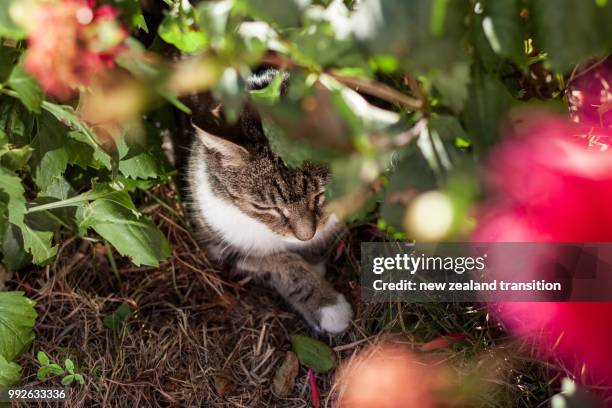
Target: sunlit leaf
(313, 354)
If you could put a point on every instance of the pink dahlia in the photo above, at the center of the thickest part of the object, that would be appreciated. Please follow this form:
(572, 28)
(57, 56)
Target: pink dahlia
(69, 42)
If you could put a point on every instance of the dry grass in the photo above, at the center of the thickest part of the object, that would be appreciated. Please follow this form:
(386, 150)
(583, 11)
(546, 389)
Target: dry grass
(197, 338)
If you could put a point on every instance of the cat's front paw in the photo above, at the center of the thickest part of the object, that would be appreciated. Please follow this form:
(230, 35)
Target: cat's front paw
(336, 317)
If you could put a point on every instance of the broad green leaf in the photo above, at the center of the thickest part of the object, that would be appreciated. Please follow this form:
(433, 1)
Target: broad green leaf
(313, 354)
(571, 31)
(38, 243)
(27, 88)
(453, 85)
(50, 157)
(59, 189)
(178, 28)
(15, 158)
(115, 320)
(14, 254)
(42, 358)
(69, 364)
(10, 373)
(115, 218)
(17, 318)
(67, 380)
(411, 175)
(43, 372)
(131, 12)
(504, 29)
(83, 133)
(489, 103)
(281, 13)
(139, 163)
(271, 93)
(16, 121)
(8, 58)
(403, 28)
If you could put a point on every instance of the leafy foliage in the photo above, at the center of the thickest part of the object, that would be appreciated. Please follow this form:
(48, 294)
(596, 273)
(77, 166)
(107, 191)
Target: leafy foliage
(435, 80)
(398, 97)
(313, 354)
(17, 317)
(49, 368)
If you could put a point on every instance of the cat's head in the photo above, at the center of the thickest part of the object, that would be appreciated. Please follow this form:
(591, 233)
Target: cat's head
(290, 201)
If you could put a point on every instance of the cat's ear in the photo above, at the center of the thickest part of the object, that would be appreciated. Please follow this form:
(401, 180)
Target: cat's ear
(231, 154)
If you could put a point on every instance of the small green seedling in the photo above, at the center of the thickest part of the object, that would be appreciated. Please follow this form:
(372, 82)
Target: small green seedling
(48, 368)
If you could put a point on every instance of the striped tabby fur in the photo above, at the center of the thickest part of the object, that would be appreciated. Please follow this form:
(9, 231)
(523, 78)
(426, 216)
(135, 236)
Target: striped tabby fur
(255, 214)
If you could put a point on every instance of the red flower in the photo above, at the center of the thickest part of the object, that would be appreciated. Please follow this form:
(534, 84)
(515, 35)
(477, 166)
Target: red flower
(69, 42)
(547, 185)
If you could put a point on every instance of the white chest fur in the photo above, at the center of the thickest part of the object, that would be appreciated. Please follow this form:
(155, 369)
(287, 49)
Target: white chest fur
(238, 229)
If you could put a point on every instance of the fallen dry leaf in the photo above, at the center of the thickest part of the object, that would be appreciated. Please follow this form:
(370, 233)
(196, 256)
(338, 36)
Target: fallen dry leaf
(284, 379)
(223, 385)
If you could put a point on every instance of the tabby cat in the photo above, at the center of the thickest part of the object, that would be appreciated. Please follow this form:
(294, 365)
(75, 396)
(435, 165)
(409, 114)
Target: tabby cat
(258, 216)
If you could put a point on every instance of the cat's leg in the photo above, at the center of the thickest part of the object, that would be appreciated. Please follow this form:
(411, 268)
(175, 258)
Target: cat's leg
(304, 288)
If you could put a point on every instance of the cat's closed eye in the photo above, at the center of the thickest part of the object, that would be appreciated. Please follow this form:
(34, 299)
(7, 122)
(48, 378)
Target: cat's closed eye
(273, 210)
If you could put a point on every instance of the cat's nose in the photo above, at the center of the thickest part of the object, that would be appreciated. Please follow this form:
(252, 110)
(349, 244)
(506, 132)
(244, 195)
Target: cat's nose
(303, 230)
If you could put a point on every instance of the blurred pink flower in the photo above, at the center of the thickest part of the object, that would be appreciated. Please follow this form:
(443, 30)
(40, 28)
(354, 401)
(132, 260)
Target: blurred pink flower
(69, 42)
(389, 375)
(547, 185)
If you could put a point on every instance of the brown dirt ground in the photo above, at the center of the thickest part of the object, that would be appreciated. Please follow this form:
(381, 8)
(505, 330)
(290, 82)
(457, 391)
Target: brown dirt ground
(196, 338)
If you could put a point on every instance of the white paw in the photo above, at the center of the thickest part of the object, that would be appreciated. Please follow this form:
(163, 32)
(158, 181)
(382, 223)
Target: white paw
(336, 318)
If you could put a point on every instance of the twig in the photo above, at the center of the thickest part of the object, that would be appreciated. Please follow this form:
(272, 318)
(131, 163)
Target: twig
(364, 85)
(378, 90)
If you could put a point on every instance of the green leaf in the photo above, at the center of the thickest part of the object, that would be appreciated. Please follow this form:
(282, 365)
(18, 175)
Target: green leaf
(141, 164)
(43, 372)
(271, 93)
(453, 85)
(83, 133)
(8, 58)
(571, 31)
(131, 12)
(503, 28)
(27, 88)
(282, 13)
(56, 369)
(50, 157)
(38, 243)
(313, 354)
(411, 175)
(67, 380)
(115, 320)
(79, 379)
(15, 158)
(69, 364)
(17, 317)
(115, 218)
(414, 31)
(10, 373)
(15, 255)
(489, 103)
(8, 28)
(178, 29)
(42, 358)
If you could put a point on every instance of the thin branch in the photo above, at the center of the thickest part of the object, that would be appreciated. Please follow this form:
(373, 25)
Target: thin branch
(379, 90)
(363, 85)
